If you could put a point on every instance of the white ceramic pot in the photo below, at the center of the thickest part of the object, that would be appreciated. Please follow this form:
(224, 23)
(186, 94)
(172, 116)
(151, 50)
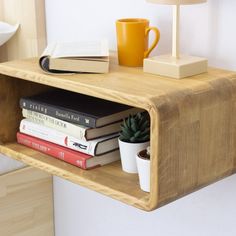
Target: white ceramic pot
(143, 166)
(128, 152)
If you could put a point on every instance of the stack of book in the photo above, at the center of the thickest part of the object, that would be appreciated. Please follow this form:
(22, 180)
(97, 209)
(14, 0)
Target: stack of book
(75, 128)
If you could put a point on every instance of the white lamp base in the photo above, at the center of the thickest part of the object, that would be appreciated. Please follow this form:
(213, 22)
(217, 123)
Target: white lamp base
(169, 66)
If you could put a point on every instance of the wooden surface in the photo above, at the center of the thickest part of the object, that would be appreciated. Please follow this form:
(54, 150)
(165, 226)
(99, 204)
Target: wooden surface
(10, 92)
(109, 180)
(30, 39)
(26, 203)
(193, 130)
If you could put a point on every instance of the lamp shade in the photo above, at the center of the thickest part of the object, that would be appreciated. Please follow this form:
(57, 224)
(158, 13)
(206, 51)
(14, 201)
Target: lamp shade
(177, 2)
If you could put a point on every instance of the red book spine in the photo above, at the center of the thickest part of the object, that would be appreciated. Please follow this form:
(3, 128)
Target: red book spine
(75, 158)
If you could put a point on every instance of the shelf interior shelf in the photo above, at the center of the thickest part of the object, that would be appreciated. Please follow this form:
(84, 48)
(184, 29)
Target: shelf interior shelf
(109, 179)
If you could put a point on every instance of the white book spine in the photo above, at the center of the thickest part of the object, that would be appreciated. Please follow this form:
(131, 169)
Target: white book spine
(54, 123)
(57, 137)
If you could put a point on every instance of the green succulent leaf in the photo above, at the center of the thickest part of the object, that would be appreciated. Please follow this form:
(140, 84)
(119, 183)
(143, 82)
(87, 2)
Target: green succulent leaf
(145, 138)
(126, 133)
(122, 138)
(144, 125)
(136, 128)
(126, 124)
(132, 139)
(137, 134)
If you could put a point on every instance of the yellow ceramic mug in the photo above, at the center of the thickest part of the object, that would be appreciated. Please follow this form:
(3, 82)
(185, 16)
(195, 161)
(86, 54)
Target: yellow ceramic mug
(132, 41)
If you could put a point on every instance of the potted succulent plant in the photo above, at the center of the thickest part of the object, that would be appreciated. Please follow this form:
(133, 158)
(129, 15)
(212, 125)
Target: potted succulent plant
(134, 137)
(143, 165)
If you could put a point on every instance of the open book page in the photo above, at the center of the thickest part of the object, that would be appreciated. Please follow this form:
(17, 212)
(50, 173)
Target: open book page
(65, 54)
(44, 61)
(85, 49)
(48, 51)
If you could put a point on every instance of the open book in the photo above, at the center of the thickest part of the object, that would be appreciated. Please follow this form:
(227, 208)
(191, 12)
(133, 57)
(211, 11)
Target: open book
(90, 57)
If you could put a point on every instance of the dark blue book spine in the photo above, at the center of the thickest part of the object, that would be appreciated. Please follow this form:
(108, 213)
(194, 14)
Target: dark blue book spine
(63, 114)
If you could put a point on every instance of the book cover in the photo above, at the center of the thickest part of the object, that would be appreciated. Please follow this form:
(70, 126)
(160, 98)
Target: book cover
(76, 65)
(77, 108)
(78, 159)
(94, 147)
(77, 131)
(64, 57)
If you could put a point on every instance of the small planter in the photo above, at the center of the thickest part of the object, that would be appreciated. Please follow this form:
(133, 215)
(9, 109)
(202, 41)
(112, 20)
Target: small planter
(134, 137)
(143, 165)
(128, 152)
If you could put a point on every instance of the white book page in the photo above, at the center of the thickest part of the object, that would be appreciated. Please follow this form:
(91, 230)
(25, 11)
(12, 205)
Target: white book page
(80, 49)
(54, 136)
(49, 50)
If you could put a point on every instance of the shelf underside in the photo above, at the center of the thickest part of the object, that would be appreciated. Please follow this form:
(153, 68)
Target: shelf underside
(109, 180)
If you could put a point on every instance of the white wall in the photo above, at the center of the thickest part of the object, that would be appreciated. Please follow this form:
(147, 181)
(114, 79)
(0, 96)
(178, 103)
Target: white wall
(208, 212)
(206, 30)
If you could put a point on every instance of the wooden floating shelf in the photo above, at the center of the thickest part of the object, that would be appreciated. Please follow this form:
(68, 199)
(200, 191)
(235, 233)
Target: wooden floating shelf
(193, 132)
(109, 180)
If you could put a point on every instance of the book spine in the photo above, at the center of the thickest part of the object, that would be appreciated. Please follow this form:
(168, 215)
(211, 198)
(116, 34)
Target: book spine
(54, 136)
(67, 155)
(59, 113)
(54, 123)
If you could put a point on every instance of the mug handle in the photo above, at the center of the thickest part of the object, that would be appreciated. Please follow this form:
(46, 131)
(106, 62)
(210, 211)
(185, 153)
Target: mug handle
(154, 44)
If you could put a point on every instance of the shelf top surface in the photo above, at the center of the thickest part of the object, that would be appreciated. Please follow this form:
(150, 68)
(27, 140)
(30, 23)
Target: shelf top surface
(122, 84)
